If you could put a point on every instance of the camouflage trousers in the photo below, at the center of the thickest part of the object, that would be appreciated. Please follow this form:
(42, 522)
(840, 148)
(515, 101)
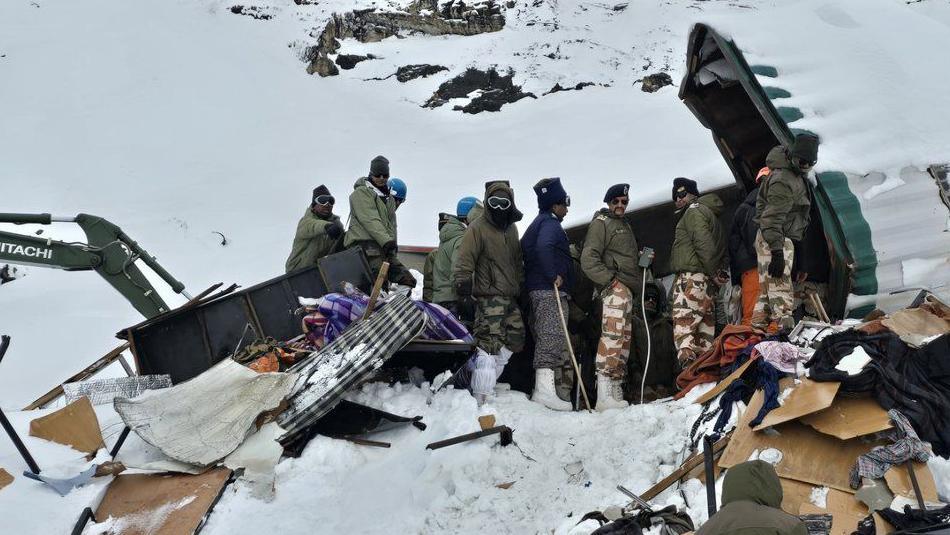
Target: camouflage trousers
(775, 302)
(694, 318)
(613, 351)
(498, 323)
(550, 345)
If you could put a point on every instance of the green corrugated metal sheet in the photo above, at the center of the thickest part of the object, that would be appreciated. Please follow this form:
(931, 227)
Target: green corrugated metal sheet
(775, 93)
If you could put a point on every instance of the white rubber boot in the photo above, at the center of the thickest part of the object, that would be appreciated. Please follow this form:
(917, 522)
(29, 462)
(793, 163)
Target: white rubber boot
(544, 392)
(501, 360)
(609, 394)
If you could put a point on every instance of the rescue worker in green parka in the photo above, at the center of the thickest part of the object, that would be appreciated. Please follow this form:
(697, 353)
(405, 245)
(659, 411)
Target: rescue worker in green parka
(372, 223)
(318, 232)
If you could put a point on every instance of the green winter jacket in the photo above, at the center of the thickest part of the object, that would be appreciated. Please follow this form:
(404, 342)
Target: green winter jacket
(782, 207)
(427, 273)
(491, 256)
(311, 242)
(751, 504)
(611, 252)
(699, 243)
(443, 264)
(372, 216)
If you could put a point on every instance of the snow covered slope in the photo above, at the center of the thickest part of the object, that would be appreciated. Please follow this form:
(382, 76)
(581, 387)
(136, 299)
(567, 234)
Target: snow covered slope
(177, 119)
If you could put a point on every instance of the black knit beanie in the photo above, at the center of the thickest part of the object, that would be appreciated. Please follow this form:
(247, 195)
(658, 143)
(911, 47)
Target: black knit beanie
(805, 147)
(379, 166)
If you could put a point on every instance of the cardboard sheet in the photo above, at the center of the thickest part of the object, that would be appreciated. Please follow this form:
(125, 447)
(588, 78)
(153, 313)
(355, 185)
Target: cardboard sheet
(806, 398)
(74, 425)
(808, 456)
(898, 481)
(724, 384)
(849, 418)
(794, 494)
(5, 478)
(161, 504)
(914, 325)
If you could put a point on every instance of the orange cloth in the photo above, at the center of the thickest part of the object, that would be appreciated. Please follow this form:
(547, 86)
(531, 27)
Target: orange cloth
(708, 367)
(750, 293)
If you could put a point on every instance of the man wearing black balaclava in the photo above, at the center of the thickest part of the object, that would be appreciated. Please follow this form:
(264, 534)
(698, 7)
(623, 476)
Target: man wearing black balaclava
(489, 273)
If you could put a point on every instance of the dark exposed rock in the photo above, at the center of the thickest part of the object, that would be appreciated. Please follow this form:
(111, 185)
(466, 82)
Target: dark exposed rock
(557, 87)
(7, 273)
(348, 61)
(620, 7)
(322, 66)
(251, 11)
(411, 72)
(306, 2)
(496, 91)
(654, 82)
(369, 25)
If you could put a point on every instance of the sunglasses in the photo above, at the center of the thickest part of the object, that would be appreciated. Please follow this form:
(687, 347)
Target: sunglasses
(619, 201)
(324, 200)
(805, 164)
(567, 200)
(381, 176)
(680, 194)
(499, 203)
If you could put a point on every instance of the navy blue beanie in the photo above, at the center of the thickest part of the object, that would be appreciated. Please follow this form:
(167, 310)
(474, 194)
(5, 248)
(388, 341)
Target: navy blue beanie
(549, 192)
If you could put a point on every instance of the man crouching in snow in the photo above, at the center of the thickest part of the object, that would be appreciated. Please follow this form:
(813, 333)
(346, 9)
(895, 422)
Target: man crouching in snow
(547, 259)
(751, 503)
(488, 275)
(610, 258)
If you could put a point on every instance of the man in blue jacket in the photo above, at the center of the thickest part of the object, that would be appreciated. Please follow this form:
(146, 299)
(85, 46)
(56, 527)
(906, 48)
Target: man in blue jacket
(548, 264)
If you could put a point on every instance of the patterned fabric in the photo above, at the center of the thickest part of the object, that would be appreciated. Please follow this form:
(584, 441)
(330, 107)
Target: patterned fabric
(782, 355)
(694, 322)
(613, 351)
(337, 311)
(775, 301)
(907, 445)
(498, 323)
(550, 346)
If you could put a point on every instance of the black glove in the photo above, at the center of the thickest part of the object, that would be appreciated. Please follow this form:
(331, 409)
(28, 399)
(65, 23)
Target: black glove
(463, 288)
(466, 306)
(334, 230)
(777, 265)
(389, 248)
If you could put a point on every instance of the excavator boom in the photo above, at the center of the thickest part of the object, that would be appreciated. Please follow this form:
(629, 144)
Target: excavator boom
(108, 251)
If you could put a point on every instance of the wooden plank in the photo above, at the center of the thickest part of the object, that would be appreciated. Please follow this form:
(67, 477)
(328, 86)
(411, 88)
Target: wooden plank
(162, 504)
(377, 287)
(679, 473)
(86, 373)
(794, 494)
(848, 418)
(805, 398)
(807, 455)
(74, 425)
(846, 511)
(5, 478)
(725, 383)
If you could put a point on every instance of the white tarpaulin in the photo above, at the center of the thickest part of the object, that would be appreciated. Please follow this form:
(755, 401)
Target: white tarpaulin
(203, 420)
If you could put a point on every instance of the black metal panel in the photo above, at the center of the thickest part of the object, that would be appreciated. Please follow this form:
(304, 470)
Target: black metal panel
(225, 322)
(274, 306)
(176, 347)
(341, 267)
(185, 342)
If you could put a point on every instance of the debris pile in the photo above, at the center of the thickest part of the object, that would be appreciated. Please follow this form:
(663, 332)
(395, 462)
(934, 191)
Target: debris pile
(848, 415)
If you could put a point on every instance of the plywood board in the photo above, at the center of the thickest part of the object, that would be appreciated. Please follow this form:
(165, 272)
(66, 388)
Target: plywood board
(5, 478)
(807, 455)
(794, 494)
(74, 425)
(806, 398)
(724, 384)
(898, 481)
(846, 512)
(161, 504)
(849, 418)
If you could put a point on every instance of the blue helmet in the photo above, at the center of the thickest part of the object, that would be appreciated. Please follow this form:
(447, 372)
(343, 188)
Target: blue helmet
(397, 188)
(465, 206)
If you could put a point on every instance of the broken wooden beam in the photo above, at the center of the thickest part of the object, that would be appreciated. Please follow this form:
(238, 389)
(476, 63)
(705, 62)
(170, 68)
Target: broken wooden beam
(503, 430)
(86, 373)
(679, 473)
